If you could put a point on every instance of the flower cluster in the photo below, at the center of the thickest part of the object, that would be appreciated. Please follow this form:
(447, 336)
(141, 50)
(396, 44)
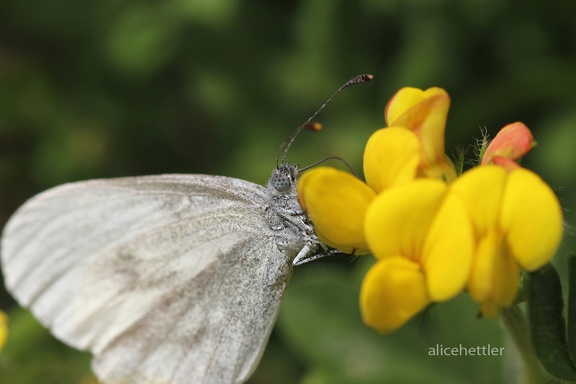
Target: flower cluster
(434, 232)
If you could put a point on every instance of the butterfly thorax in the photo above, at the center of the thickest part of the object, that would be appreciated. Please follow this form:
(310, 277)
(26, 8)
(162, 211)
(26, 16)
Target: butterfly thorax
(285, 215)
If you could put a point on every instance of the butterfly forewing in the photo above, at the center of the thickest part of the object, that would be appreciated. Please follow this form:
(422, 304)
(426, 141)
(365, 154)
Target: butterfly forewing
(173, 278)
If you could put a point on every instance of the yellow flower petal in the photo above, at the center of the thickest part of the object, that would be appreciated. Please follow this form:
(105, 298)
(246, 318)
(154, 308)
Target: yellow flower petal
(440, 168)
(391, 157)
(336, 202)
(398, 220)
(424, 113)
(481, 189)
(392, 292)
(3, 329)
(448, 251)
(532, 218)
(494, 279)
(405, 99)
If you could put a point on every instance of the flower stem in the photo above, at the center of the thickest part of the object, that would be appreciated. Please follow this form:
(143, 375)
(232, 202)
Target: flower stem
(515, 322)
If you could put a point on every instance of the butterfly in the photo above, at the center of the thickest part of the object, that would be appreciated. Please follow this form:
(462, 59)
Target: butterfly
(165, 279)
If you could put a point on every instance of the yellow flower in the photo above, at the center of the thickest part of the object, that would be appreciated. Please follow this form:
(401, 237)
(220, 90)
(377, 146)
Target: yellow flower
(517, 225)
(424, 113)
(431, 239)
(3, 329)
(423, 241)
(337, 201)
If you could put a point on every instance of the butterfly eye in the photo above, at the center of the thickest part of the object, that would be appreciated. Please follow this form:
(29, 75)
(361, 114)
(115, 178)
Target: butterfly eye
(280, 181)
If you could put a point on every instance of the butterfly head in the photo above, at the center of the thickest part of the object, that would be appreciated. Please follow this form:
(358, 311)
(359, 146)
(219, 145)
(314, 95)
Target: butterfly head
(284, 177)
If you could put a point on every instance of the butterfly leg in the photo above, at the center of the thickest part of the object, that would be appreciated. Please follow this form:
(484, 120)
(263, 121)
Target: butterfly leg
(303, 258)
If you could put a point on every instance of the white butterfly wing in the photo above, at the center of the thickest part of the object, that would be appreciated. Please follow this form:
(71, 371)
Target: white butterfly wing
(166, 279)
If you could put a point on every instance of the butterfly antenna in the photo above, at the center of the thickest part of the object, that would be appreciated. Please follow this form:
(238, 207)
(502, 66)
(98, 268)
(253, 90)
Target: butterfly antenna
(331, 158)
(311, 126)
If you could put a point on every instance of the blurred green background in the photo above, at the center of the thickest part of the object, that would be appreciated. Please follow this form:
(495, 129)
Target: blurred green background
(116, 88)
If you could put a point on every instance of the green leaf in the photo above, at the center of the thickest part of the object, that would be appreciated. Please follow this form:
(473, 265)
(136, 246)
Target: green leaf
(547, 324)
(572, 306)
